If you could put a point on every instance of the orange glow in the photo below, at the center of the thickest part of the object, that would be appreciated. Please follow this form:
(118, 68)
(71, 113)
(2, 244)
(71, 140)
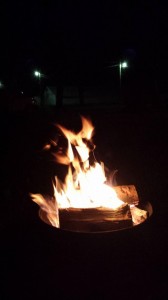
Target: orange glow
(85, 185)
(49, 206)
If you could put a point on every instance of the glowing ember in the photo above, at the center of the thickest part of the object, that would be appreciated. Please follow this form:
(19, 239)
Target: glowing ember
(85, 184)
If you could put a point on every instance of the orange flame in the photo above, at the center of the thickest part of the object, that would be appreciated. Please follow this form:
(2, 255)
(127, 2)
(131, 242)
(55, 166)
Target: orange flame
(85, 185)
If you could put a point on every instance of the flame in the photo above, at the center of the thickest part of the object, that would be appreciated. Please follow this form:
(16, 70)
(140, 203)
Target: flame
(79, 141)
(49, 206)
(86, 190)
(85, 185)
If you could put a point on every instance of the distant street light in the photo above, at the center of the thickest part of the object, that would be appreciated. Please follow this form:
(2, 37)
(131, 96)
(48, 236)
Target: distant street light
(121, 65)
(37, 74)
(40, 76)
(124, 65)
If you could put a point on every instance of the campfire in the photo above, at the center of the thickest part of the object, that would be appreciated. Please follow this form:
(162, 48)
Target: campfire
(85, 201)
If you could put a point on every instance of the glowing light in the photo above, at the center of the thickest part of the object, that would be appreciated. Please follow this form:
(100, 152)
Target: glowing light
(37, 73)
(124, 65)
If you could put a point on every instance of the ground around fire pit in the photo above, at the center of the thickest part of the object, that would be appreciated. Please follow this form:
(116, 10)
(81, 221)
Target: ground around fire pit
(38, 261)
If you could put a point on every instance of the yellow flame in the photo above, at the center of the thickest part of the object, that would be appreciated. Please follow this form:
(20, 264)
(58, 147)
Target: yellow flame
(50, 207)
(87, 190)
(85, 186)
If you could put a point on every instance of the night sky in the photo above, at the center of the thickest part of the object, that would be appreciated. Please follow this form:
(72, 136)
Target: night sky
(59, 37)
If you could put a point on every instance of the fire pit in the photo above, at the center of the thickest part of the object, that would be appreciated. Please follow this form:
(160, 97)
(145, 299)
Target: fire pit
(84, 201)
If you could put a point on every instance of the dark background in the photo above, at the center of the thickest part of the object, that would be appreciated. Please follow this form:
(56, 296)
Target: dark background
(74, 43)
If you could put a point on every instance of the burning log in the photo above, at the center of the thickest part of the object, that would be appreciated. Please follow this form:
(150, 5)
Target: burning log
(101, 219)
(84, 201)
(127, 193)
(95, 219)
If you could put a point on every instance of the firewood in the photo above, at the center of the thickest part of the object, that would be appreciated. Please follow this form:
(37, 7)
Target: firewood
(95, 219)
(101, 219)
(127, 193)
